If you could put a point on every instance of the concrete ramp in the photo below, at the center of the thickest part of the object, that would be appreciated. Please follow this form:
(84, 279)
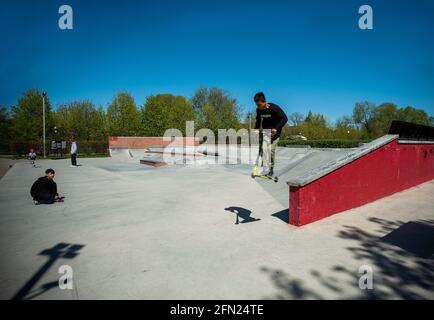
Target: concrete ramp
(294, 162)
(137, 153)
(120, 154)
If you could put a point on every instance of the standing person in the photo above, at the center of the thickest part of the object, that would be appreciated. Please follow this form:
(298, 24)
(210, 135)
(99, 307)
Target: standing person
(73, 153)
(44, 190)
(269, 116)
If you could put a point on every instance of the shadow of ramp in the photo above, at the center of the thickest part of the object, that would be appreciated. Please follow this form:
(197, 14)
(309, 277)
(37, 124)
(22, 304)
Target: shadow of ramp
(415, 237)
(282, 215)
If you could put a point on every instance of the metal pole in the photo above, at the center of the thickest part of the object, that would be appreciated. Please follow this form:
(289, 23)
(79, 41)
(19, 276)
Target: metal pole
(43, 122)
(250, 128)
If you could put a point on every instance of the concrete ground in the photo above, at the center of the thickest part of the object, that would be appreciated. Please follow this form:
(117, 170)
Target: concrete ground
(6, 164)
(134, 232)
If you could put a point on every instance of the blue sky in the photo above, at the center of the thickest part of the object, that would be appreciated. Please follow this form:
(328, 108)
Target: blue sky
(304, 54)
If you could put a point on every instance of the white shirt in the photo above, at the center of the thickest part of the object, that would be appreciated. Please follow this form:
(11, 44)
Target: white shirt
(73, 147)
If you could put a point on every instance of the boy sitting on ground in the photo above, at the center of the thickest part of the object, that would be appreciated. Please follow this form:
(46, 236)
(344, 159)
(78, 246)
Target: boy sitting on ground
(44, 190)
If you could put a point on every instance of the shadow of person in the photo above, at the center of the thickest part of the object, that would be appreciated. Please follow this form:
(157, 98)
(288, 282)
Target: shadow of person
(242, 213)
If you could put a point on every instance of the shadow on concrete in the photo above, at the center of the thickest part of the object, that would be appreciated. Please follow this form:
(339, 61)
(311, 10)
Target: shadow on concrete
(59, 251)
(282, 215)
(414, 237)
(288, 287)
(400, 255)
(242, 213)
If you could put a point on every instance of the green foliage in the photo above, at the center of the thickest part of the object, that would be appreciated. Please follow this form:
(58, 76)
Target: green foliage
(92, 147)
(85, 148)
(379, 119)
(27, 117)
(123, 117)
(215, 109)
(322, 143)
(21, 128)
(345, 122)
(21, 148)
(5, 129)
(411, 114)
(382, 118)
(166, 111)
(363, 114)
(82, 120)
(249, 119)
(315, 126)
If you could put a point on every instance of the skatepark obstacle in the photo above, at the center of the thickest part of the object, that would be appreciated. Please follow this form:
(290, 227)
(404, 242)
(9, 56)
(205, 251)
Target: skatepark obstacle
(375, 170)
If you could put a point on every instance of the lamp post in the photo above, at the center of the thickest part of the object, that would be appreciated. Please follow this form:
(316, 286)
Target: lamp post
(44, 94)
(55, 142)
(251, 128)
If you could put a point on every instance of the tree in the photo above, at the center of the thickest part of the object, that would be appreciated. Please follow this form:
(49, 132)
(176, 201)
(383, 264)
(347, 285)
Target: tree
(316, 119)
(216, 109)
(249, 118)
(382, 118)
(81, 119)
(346, 130)
(5, 129)
(123, 117)
(296, 118)
(362, 115)
(165, 111)
(315, 126)
(344, 122)
(414, 115)
(27, 121)
(385, 113)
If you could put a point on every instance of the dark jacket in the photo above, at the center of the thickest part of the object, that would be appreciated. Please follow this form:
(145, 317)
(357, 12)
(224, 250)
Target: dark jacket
(43, 189)
(271, 118)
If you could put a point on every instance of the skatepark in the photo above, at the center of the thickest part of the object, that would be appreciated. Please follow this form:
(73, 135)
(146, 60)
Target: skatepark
(196, 230)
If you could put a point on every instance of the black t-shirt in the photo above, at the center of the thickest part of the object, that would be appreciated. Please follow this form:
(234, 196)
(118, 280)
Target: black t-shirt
(271, 118)
(43, 188)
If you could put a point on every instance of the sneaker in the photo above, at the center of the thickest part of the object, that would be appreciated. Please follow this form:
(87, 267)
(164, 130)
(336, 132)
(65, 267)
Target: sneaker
(72, 166)
(35, 202)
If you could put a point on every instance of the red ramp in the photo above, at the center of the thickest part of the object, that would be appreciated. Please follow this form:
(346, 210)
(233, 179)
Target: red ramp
(378, 169)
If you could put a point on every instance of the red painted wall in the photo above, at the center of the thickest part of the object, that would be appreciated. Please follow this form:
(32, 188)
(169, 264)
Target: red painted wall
(389, 169)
